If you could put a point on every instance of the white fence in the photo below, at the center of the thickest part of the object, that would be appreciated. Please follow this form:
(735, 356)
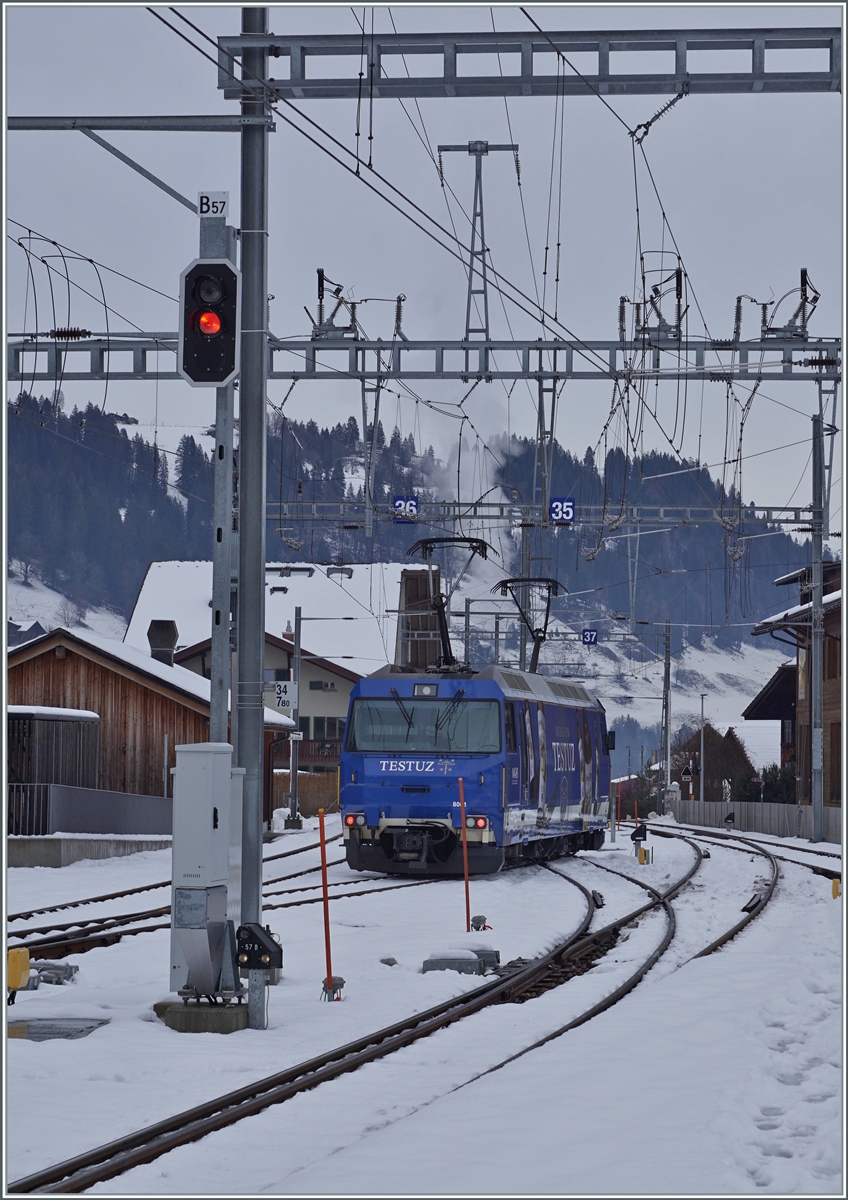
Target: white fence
(780, 820)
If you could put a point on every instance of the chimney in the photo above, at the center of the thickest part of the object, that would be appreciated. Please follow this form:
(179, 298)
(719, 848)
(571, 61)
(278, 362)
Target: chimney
(162, 636)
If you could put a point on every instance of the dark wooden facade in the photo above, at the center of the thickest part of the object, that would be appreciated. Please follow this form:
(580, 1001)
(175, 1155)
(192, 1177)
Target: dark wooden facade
(45, 748)
(795, 624)
(136, 711)
(776, 701)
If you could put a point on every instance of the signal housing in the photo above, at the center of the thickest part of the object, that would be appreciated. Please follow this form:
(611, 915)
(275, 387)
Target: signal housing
(210, 322)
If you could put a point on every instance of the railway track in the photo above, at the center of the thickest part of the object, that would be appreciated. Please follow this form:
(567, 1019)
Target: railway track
(150, 887)
(719, 837)
(518, 982)
(77, 937)
(631, 982)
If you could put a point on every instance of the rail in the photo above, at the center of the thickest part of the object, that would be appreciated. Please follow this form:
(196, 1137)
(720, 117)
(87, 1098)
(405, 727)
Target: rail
(107, 1161)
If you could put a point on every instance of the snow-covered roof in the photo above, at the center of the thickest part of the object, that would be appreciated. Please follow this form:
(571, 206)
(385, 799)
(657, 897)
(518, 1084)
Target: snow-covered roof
(51, 714)
(345, 620)
(179, 678)
(799, 615)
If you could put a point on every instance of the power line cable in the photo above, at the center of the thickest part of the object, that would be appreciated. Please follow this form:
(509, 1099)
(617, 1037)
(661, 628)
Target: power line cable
(585, 349)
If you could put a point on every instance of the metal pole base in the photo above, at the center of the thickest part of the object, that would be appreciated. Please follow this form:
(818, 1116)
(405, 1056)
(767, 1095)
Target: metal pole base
(332, 989)
(256, 984)
(293, 823)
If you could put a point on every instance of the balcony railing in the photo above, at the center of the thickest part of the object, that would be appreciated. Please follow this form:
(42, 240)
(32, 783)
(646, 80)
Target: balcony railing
(315, 752)
(29, 806)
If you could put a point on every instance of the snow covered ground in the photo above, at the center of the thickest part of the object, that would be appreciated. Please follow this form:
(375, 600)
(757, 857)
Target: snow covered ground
(720, 1075)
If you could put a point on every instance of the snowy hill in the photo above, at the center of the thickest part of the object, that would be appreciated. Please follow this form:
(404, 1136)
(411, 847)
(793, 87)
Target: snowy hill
(34, 601)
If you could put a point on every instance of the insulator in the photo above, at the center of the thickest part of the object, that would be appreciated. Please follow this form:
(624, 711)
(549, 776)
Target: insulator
(353, 314)
(737, 320)
(441, 170)
(518, 169)
(638, 308)
(399, 313)
(69, 335)
(622, 330)
(320, 295)
(678, 283)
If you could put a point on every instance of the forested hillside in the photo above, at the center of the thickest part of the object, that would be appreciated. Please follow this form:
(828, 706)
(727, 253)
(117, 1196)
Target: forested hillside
(89, 506)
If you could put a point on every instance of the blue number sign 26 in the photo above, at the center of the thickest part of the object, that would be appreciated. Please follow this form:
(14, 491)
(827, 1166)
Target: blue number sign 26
(561, 511)
(405, 509)
(590, 637)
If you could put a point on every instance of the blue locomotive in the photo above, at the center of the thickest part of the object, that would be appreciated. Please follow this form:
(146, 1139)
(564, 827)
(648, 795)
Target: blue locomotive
(532, 752)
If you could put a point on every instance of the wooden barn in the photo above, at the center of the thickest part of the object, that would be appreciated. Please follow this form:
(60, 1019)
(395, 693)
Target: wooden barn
(146, 706)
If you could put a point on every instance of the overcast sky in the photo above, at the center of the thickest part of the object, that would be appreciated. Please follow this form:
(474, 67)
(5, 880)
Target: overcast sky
(751, 186)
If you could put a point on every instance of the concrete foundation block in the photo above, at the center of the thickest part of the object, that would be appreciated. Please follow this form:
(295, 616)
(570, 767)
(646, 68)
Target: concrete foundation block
(61, 851)
(463, 961)
(205, 1018)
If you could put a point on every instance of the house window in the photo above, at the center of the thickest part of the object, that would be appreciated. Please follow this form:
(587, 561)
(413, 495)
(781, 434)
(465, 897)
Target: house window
(335, 729)
(318, 727)
(322, 685)
(303, 726)
(787, 733)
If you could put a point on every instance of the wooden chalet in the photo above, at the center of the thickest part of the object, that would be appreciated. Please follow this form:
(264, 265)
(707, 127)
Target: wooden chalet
(146, 706)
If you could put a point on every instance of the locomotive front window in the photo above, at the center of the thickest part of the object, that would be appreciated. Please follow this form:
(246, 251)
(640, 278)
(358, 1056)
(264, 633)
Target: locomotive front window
(449, 726)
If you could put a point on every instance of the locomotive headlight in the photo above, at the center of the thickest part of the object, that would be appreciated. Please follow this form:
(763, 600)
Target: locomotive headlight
(481, 822)
(360, 818)
(350, 819)
(469, 821)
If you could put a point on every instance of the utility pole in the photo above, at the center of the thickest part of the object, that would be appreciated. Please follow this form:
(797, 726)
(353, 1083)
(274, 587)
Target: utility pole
(369, 449)
(524, 592)
(497, 638)
(477, 271)
(252, 387)
(467, 638)
(817, 639)
(701, 760)
(294, 820)
(218, 240)
(666, 710)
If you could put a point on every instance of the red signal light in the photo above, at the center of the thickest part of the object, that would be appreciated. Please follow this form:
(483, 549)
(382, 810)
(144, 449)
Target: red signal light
(480, 822)
(209, 323)
(350, 819)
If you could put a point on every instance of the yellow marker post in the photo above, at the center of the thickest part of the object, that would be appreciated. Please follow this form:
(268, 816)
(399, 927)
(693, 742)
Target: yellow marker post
(641, 856)
(835, 890)
(17, 971)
